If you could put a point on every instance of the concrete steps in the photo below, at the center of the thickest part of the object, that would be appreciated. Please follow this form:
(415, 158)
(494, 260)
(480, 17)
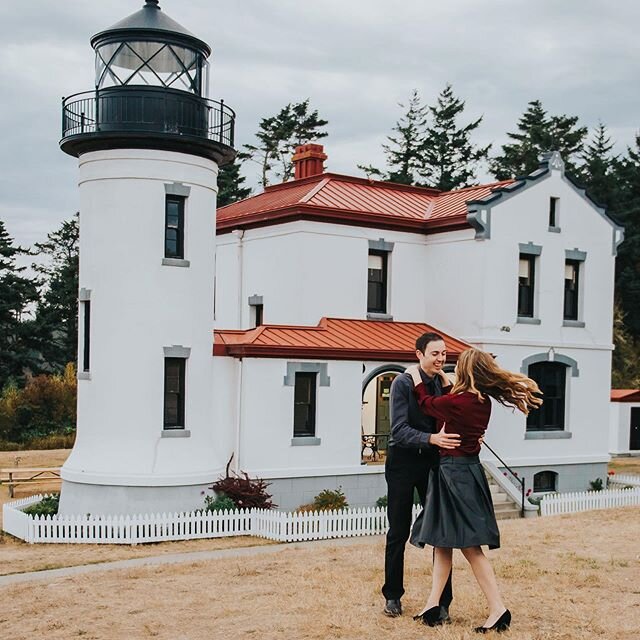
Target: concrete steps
(503, 505)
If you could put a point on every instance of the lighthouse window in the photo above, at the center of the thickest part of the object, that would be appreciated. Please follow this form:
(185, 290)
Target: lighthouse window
(174, 378)
(86, 333)
(144, 63)
(174, 227)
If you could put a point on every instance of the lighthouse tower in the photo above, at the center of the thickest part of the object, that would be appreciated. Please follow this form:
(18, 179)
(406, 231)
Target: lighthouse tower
(149, 144)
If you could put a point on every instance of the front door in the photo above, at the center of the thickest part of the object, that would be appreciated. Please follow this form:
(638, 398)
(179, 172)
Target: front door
(634, 431)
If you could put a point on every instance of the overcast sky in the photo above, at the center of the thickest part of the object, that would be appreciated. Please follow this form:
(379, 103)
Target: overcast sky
(355, 60)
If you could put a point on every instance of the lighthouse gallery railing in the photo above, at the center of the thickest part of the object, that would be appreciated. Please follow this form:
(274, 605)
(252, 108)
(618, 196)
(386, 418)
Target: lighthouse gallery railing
(150, 110)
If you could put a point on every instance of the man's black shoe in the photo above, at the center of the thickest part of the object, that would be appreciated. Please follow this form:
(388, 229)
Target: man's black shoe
(393, 608)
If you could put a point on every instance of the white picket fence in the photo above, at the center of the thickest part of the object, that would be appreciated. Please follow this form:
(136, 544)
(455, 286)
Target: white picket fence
(265, 523)
(625, 479)
(589, 500)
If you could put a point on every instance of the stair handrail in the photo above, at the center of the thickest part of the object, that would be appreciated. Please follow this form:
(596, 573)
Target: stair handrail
(514, 474)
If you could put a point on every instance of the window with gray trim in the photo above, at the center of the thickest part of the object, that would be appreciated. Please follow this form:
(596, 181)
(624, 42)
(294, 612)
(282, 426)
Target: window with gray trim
(377, 281)
(256, 307)
(552, 380)
(174, 393)
(526, 285)
(174, 226)
(304, 404)
(553, 212)
(571, 289)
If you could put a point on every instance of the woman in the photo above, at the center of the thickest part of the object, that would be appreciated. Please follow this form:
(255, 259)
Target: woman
(458, 498)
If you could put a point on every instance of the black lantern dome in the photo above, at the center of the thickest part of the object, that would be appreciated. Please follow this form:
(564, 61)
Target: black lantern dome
(150, 91)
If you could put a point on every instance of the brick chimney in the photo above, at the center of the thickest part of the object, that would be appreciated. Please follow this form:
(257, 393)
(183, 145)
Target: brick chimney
(308, 160)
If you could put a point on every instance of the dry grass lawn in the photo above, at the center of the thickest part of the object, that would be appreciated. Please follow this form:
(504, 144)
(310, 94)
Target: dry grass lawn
(625, 465)
(562, 577)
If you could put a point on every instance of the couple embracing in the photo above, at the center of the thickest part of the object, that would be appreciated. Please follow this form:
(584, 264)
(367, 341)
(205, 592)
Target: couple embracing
(437, 429)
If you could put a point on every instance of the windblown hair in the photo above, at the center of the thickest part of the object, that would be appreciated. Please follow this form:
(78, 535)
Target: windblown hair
(478, 373)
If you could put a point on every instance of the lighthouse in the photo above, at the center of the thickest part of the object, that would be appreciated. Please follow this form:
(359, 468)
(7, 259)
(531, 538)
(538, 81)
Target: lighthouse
(149, 145)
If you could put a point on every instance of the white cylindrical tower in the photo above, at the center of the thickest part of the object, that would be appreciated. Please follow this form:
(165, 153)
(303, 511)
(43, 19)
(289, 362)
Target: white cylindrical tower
(149, 145)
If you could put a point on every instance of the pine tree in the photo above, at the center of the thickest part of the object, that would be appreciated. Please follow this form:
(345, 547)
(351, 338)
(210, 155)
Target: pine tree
(230, 183)
(598, 173)
(625, 362)
(269, 137)
(403, 151)
(279, 135)
(448, 159)
(538, 133)
(17, 294)
(57, 312)
(626, 209)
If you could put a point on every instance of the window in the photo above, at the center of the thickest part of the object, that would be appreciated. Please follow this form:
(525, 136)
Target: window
(545, 481)
(571, 284)
(174, 227)
(553, 212)
(551, 378)
(174, 378)
(256, 310)
(526, 284)
(86, 333)
(304, 410)
(377, 282)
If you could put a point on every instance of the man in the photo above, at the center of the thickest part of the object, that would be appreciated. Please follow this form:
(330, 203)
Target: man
(412, 453)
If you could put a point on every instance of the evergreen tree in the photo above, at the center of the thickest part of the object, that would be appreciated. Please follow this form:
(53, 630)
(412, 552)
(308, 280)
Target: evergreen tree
(625, 362)
(626, 209)
(404, 150)
(448, 159)
(279, 135)
(17, 294)
(538, 132)
(230, 183)
(598, 173)
(57, 312)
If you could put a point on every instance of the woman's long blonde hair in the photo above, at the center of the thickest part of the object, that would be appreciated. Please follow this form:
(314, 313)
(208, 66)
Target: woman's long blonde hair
(478, 373)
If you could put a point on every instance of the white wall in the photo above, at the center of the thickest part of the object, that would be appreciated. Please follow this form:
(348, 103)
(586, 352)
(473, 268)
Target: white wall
(309, 270)
(266, 428)
(621, 427)
(139, 306)
(523, 218)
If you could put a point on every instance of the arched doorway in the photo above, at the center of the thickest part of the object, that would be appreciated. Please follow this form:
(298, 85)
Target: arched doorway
(376, 414)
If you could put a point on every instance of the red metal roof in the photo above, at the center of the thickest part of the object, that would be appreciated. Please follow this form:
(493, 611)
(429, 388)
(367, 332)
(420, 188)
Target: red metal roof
(625, 395)
(453, 203)
(350, 200)
(332, 338)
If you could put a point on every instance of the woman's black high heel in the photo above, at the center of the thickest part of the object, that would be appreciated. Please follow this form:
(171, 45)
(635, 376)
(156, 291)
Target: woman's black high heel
(430, 617)
(501, 624)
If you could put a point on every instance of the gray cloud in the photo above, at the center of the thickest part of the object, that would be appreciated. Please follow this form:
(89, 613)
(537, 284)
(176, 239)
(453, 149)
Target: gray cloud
(355, 60)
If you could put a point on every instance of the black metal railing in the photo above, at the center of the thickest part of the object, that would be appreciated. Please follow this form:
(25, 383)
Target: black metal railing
(519, 480)
(147, 110)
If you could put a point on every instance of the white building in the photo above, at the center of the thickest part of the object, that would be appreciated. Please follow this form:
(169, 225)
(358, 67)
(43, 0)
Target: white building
(625, 422)
(523, 269)
(316, 289)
